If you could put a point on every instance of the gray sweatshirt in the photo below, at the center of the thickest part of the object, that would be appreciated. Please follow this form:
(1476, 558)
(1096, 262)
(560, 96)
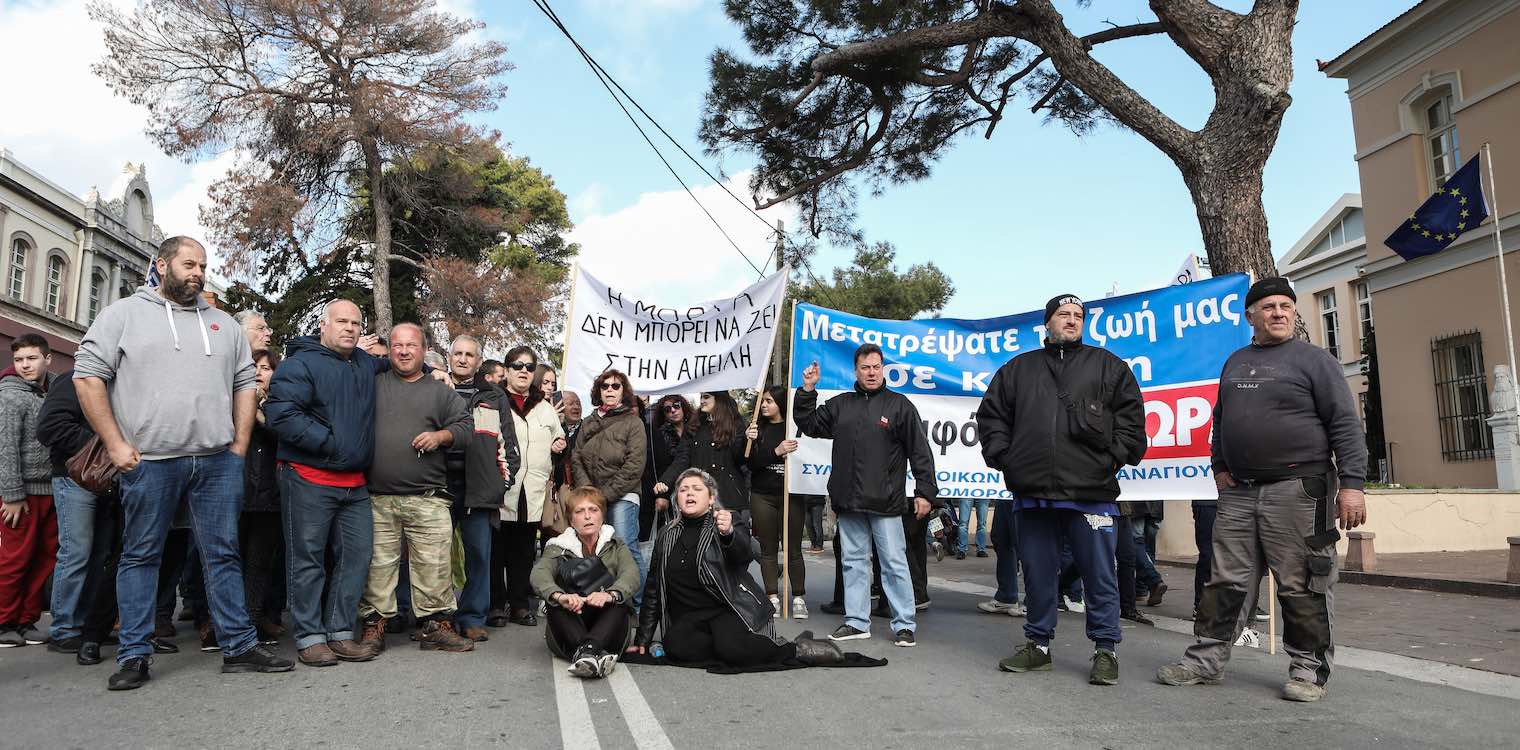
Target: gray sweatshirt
(25, 465)
(1282, 411)
(171, 371)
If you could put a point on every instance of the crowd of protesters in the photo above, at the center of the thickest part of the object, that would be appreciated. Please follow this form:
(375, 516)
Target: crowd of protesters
(371, 486)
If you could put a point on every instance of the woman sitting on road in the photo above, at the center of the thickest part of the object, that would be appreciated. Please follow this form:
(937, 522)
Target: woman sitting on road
(700, 603)
(587, 577)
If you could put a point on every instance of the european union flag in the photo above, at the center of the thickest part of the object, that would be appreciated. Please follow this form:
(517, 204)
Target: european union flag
(1456, 207)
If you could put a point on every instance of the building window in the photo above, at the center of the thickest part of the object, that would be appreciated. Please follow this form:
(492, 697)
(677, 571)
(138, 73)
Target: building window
(1461, 397)
(97, 291)
(1329, 322)
(1441, 139)
(16, 285)
(1364, 308)
(55, 285)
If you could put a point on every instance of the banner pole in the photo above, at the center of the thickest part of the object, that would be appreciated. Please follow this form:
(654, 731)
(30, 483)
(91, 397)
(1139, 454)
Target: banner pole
(1271, 614)
(784, 585)
(765, 371)
(1491, 204)
(564, 353)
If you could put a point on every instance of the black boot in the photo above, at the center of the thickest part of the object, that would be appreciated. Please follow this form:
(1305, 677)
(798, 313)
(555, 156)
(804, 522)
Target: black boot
(816, 653)
(89, 654)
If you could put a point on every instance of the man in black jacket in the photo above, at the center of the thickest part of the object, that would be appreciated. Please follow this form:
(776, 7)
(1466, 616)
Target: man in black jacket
(1059, 422)
(876, 434)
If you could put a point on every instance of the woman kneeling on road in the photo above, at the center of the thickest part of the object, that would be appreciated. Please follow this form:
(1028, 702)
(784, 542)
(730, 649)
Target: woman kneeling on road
(587, 576)
(700, 603)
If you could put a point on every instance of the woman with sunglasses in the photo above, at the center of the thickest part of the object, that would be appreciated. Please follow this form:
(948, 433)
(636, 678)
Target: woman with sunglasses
(609, 455)
(672, 426)
(718, 449)
(539, 438)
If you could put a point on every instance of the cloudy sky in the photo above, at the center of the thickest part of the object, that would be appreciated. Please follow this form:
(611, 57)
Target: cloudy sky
(1031, 212)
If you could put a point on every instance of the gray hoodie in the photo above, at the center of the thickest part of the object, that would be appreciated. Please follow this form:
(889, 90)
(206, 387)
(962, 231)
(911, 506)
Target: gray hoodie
(25, 465)
(171, 371)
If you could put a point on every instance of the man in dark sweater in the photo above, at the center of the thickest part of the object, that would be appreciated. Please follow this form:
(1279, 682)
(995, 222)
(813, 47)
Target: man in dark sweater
(1283, 411)
(416, 419)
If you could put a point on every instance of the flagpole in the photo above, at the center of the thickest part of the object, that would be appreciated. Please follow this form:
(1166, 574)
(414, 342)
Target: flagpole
(1491, 203)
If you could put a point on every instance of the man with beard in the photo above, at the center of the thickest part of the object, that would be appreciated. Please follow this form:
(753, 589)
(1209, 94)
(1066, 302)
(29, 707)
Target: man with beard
(1059, 421)
(168, 384)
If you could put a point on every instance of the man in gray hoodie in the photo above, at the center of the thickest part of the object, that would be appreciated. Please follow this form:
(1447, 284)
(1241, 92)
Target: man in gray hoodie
(28, 523)
(167, 383)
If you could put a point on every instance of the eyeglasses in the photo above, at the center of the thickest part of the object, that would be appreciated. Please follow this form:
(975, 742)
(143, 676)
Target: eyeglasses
(612, 385)
(674, 407)
(521, 366)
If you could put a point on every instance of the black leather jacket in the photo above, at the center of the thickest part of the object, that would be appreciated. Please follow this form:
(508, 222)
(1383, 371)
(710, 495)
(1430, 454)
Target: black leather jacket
(723, 567)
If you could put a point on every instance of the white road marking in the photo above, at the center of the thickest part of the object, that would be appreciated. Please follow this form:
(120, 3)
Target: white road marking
(1419, 670)
(576, 731)
(642, 724)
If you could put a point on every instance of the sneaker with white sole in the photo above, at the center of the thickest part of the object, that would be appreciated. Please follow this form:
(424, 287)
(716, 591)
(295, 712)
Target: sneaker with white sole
(847, 633)
(905, 639)
(1249, 637)
(584, 663)
(1072, 606)
(775, 604)
(799, 608)
(995, 607)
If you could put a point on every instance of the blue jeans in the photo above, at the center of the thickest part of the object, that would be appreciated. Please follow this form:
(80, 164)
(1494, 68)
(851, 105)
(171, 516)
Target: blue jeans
(1005, 545)
(980, 503)
(625, 521)
(212, 486)
(312, 514)
(857, 533)
(474, 526)
(1093, 549)
(81, 552)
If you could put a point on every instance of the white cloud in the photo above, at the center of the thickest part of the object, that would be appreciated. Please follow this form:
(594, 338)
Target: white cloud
(662, 247)
(62, 121)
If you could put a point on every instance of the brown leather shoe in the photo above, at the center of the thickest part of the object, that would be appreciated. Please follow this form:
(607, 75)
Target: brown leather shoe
(439, 635)
(318, 655)
(351, 650)
(373, 635)
(476, 634)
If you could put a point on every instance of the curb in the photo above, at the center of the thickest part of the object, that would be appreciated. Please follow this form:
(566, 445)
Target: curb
(1493, 589)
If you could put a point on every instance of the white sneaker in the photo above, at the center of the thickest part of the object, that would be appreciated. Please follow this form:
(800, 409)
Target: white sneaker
(1249, 637)
(1077, 607)
(775, 604)
(995, 607)
(799, 608)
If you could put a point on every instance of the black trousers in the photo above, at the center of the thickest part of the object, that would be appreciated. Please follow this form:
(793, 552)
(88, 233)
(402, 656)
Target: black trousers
(176, 552)
(766, 511)
(1125, 552)
(513, 545)
(815, 523)
(717, 635)
(260, 541)
(605, 628)
(100, 577)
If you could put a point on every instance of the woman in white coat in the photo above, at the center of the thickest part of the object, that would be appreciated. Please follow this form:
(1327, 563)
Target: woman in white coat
(539, 437)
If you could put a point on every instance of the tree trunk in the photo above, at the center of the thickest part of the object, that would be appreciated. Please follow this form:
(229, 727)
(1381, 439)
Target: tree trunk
(381, 241)
(1232, 220)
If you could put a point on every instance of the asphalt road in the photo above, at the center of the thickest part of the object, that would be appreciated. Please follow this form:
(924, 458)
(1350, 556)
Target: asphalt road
(946, 692)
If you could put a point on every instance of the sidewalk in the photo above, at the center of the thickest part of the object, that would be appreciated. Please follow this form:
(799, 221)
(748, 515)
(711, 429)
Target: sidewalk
(1478, 573)
(1468, 631)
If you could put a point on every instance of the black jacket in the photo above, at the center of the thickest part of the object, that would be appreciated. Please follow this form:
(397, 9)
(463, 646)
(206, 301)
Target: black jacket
(261, 493)
(61, 425)
(1060, 421)
(723, 567)
(766, 469)
(491, 458)
(723, 462)
(876, 435)
(666, 448)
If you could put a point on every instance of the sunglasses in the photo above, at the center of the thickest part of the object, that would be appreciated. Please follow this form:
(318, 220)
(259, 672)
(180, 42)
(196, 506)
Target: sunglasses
(674, 407)
(611, 385)
(521, 366)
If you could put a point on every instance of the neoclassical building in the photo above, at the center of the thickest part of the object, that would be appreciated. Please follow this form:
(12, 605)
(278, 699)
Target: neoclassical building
(66, 257)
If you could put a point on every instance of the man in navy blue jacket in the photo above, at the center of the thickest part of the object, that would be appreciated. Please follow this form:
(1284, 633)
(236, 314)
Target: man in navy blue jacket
(322, 407)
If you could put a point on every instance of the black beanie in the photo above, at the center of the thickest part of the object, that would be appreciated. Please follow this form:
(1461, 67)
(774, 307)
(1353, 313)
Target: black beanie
(1058, 300)
(1268, 287)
